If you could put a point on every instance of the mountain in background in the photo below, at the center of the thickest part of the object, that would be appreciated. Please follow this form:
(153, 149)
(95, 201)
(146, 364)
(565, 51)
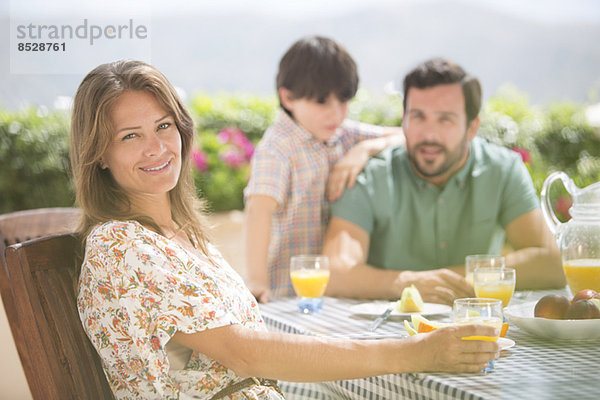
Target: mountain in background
(239, 53)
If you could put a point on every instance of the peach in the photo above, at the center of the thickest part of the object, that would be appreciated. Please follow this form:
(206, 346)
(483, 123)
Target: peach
(585, 294)
(552, 306)
(582, 309)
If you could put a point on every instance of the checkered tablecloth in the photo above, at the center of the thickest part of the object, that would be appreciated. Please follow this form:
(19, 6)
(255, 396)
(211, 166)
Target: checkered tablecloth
(534, 368)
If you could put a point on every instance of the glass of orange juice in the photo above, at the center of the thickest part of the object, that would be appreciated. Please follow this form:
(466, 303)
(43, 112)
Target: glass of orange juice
(480, 312)
(582, 274)
(479, 261)
(495, 283)
(309, 274)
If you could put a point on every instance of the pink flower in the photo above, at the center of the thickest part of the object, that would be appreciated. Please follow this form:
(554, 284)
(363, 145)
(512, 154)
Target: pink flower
(224, 136)
(229, 134)
(562, 205)
(233, 158)
(248, 149)
(525, 154)
(200, 160)
(237, 138)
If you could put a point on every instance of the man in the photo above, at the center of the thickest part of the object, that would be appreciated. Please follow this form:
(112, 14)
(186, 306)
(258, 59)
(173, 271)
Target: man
(416, 212)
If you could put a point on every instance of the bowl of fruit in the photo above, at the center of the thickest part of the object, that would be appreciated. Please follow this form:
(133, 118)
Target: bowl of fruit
(555, 316)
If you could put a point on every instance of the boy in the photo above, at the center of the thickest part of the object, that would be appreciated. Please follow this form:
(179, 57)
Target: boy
(308, 152)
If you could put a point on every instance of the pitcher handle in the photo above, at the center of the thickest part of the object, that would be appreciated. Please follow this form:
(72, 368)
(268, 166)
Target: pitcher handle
(551, 220)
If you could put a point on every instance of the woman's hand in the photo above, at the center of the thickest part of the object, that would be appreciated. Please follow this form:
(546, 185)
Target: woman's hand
(445, 350)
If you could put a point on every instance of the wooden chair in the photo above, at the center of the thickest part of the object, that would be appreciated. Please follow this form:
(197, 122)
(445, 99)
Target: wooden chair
(20, 226)
(38, 290)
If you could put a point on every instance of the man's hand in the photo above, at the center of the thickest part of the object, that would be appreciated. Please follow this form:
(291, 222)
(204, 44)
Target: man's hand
(438, 285)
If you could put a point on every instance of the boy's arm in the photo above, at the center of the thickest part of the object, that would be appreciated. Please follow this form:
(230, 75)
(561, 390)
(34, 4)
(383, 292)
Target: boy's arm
(259, 212)
(346, 170)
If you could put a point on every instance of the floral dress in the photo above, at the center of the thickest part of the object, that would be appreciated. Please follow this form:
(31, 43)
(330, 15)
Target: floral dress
(136, 289)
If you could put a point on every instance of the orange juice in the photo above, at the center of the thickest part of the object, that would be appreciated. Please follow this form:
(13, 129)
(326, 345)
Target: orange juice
(500, 291)
(309, 282)
(495, 322)
(582, 274)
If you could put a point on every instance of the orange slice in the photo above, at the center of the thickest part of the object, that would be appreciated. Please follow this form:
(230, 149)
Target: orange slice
(423, 325)
(504, 329)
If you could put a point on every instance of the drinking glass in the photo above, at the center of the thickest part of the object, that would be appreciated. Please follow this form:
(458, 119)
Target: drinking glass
(481, 260)
(309, 274)
(495, 283)
(481, 312)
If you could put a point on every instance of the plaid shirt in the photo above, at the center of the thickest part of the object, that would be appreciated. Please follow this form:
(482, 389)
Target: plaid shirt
(292, 167)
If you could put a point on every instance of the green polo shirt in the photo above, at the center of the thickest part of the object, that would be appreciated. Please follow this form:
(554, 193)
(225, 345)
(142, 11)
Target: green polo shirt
(415, 225)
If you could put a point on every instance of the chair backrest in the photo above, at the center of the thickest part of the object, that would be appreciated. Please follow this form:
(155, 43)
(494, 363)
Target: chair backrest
(20, 226)
(38, 290)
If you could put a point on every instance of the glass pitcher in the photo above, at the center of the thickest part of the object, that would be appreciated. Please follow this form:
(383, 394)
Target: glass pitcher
(579, 238)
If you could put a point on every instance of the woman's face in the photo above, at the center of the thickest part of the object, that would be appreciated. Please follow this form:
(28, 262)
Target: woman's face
(144, 156)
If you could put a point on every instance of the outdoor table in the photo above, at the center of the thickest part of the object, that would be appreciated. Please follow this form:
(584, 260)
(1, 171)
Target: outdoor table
(535, 368)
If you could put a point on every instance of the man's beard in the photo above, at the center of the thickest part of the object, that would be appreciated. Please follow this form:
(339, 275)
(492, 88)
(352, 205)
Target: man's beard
(452, 158)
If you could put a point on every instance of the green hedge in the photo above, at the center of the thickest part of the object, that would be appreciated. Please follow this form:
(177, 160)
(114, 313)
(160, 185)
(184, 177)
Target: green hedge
(34, 158)
(555, 138)
(34, 144)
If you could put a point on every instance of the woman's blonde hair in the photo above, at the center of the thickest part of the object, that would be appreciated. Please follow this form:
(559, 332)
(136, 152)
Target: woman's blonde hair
(98, 195)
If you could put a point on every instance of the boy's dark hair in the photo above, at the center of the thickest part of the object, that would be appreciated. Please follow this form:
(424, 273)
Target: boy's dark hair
(439, 71)
(314, 67)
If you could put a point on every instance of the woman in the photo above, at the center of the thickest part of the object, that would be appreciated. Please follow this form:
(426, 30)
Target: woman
(151, 284)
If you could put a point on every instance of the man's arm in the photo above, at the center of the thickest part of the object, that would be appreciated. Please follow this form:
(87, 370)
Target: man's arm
(259, 212)
(347, 246)
(536, 257)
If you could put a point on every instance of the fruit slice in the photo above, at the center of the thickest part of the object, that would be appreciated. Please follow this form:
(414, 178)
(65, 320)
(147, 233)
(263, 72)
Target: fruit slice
(409, 329)
(410, 301)
(423, 325)
(504, 329)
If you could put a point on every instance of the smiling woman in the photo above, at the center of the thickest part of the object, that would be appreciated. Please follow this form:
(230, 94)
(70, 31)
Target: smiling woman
(144, 156)
(133, 143)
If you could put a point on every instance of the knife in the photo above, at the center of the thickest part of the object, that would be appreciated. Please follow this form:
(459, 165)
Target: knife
(381, 318)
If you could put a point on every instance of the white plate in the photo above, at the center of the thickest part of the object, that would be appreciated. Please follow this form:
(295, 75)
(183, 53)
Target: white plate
(505, 343)
(376, 308)
(572, 329)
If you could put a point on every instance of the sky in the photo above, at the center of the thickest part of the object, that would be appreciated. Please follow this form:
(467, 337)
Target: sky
(550, 11)
(47, 69)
